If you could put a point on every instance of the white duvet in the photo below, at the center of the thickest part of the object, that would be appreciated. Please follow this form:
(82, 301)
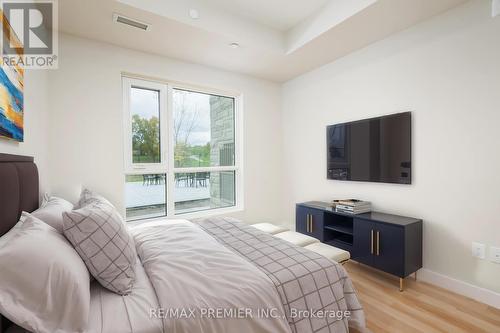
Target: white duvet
(188, 282)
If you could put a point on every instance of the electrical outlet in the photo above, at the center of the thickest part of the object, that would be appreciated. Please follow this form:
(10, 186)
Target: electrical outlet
(478, 250)
(495, 254)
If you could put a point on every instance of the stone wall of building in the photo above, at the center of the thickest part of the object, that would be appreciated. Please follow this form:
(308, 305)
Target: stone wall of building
(222, 150)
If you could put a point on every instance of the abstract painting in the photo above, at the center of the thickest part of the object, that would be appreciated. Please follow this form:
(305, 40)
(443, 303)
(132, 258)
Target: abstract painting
(11, 92)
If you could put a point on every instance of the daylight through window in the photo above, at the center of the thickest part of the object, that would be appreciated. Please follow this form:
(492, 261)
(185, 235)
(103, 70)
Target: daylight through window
(181, 150)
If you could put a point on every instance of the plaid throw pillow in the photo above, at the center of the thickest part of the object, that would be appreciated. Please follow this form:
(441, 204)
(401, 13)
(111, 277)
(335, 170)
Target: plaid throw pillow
(100, 237)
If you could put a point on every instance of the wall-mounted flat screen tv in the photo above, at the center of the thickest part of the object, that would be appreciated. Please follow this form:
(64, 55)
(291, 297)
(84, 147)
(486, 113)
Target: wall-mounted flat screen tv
(371, 150)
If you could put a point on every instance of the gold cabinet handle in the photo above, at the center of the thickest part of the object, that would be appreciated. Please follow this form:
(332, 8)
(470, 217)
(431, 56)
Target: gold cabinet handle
(378, 242)
(308, 223)
(371, 244)
(312, 223)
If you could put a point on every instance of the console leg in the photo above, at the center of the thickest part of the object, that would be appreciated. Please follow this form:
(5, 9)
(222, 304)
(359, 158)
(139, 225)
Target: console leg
(415, 275)
(400, 284)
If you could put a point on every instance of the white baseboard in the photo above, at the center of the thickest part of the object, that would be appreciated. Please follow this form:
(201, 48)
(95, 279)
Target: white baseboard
(459, 287)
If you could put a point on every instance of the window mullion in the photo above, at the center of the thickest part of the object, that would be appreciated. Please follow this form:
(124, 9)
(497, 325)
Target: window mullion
(127, 124)
(170, 151)
(238, 152)
(205, 169)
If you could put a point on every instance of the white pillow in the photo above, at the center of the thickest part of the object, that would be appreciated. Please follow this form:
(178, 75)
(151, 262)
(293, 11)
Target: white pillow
(101, 238)
(44, 284)
(51, 211)
(87, 197)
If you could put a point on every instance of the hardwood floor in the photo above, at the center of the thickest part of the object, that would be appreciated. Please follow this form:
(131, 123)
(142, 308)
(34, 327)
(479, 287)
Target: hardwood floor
(420, 308)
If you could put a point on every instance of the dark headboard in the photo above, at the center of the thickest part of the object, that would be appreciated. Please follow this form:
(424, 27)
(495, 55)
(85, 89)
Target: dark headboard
(19, 190)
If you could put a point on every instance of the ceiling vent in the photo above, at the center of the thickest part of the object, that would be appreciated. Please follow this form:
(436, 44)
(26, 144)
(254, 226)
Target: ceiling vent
(118, 18)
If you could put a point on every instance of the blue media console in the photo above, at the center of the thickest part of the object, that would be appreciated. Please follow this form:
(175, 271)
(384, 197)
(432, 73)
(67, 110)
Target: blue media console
(390, 243)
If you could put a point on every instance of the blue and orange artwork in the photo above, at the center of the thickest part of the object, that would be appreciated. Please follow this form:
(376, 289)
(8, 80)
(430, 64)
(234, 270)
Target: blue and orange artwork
(11, 94)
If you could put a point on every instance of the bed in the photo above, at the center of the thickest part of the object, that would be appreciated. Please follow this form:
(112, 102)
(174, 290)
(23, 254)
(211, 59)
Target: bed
(210, 275)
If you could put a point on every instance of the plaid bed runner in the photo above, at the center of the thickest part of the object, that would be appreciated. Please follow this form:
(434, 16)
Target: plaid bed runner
(312, 288)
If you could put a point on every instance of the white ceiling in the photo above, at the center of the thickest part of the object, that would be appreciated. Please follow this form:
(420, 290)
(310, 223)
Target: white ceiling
(279, 39)
(277, 14)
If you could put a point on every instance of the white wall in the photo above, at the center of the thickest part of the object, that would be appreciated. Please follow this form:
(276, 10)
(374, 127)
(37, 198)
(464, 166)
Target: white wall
(447, 72)
(86, 124)
(35, 124)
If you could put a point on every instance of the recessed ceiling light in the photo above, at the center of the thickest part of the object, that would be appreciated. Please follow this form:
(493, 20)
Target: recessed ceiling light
(193, 13)
(234, 45)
